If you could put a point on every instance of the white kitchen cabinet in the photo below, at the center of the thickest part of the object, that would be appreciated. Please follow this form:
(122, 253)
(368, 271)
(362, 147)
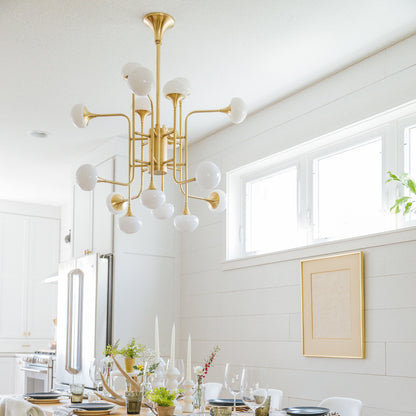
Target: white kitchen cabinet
(29, 252)
(43, 259)
(82, 223)
(7, 374)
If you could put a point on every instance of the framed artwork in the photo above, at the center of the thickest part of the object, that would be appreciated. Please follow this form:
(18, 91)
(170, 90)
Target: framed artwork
(333, 306)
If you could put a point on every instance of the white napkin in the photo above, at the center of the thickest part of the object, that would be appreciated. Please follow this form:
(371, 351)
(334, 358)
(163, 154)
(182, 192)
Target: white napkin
(15, 407)
(62, 411)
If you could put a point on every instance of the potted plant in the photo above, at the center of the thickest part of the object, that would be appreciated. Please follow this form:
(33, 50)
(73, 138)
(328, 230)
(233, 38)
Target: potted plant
(164, 399)
(130, 352)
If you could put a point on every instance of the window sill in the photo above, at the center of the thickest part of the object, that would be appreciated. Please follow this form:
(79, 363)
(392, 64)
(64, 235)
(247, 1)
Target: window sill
(326, 248)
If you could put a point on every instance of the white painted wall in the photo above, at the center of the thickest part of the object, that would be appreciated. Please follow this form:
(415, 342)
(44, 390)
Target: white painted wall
(253, 311)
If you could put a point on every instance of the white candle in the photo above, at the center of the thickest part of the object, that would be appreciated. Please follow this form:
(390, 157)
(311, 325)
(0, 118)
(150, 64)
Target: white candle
(157, 337)
(188, 360)
(172, 348)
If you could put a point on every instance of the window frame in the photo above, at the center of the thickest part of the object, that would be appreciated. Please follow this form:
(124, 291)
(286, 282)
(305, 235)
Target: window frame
(390, 126)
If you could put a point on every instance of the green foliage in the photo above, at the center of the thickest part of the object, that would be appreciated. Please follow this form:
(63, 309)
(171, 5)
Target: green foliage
(150, 370)
(163, 397)
(112, 349)
(132, 350)
(404, 204)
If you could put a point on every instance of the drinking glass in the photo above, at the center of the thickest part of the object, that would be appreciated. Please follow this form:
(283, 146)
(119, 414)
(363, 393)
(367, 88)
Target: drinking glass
(77, 393)
(254, 390)
(232, 380)
(94, 373)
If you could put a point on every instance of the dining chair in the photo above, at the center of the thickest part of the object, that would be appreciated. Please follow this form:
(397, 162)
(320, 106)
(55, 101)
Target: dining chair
(276, 398)
(343, 405)
(212, 390)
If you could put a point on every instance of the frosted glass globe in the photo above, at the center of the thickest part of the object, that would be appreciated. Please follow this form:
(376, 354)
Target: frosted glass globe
(208, 175)
(77, 115)
(128, 69)
(129, 224)
(222, 205)
(153, 198)
(164, 212)
(177, 86)
(186, 223)
(142, 103)
(141, 80)
(238, 110)
(110, 206)
(86, 177)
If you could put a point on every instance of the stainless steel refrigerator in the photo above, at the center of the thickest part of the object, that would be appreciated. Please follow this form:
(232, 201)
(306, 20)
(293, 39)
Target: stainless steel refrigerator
(85, 316)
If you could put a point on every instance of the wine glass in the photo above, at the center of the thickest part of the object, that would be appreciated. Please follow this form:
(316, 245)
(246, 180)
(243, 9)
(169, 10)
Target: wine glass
(232, 380)
(253, 390)
(94, 373)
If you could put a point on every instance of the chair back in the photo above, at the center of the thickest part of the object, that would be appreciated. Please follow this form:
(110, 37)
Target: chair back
(276, 398)
(343, 405)
(212, 390)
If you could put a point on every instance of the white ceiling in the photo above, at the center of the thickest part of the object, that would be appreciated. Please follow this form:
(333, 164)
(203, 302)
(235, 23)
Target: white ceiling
(55, 54)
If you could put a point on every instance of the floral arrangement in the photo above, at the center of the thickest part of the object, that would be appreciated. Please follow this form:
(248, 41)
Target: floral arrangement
(132, 350)
(112, 350)
(201, 371)
(162, 396)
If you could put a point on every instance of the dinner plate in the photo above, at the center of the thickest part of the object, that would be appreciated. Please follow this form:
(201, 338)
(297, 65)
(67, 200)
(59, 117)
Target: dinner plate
(225, 402)
(44, 395)
(80, 412)
(43, 401)
(92, 406)
(306, 411)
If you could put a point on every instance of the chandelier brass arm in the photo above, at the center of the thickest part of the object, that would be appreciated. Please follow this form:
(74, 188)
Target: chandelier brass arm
(156, 144)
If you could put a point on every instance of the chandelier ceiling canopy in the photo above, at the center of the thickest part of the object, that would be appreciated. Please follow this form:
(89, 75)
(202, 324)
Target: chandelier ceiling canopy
(160, 149)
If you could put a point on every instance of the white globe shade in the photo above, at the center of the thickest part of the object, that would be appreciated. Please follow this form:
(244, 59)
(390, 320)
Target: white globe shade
(77, 115)
(128, 69)
(129, 224)
(177, 86)
(141, 80)
(87, 177)
(238, 110)
(222, 204)
(142, 103)
(208, 175)
(164, 212)
(153, 198)
(110, 206)
(186, 223)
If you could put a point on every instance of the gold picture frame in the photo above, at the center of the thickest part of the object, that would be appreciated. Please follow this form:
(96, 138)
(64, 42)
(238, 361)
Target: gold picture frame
(333, 306)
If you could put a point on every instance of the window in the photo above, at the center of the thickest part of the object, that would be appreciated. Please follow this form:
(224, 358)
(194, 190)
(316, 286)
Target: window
(347, 192)
(330, 188)
(271, 205)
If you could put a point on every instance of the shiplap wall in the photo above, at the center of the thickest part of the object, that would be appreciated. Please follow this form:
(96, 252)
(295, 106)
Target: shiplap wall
(254, 312)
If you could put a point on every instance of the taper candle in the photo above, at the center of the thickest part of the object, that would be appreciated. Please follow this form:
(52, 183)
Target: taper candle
(157, 337)
(172, 348)
(188, 360)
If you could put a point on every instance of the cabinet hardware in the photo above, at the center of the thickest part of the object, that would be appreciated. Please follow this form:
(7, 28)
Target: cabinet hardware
(28, 333)
(26, 346)
(24, 334)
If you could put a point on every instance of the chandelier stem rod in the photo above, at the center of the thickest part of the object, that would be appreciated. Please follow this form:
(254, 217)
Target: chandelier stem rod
(141, 156)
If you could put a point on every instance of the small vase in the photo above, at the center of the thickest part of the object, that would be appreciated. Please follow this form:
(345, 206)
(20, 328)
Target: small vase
(129, 363)
(199, 397)
(165, 410)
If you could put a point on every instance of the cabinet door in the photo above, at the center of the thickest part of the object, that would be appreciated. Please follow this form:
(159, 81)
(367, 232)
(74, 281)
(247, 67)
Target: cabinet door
(43, 262)
(13, 261)
(102, 219)
(7, 375)
(82, 227)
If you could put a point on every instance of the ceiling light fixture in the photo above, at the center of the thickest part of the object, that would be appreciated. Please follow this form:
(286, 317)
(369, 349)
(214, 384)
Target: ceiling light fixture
(167, 146)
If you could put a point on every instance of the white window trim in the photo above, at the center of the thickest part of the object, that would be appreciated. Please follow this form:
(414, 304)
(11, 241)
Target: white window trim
(389, 126)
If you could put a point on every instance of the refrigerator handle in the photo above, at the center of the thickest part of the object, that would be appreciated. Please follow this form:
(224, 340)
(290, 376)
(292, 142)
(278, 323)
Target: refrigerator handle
(74, 306)
(110, 279)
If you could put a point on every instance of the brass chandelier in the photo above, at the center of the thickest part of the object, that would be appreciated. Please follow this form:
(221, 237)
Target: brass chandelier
(162, 149)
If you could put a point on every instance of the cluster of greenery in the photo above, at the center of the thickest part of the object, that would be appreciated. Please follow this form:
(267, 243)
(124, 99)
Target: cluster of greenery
(162, 396)
(131, 350)
(404, 204)
(150, 370)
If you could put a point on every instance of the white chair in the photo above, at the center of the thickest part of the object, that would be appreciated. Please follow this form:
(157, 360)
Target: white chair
(276, 398)
(343, 405)
(212, 391)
